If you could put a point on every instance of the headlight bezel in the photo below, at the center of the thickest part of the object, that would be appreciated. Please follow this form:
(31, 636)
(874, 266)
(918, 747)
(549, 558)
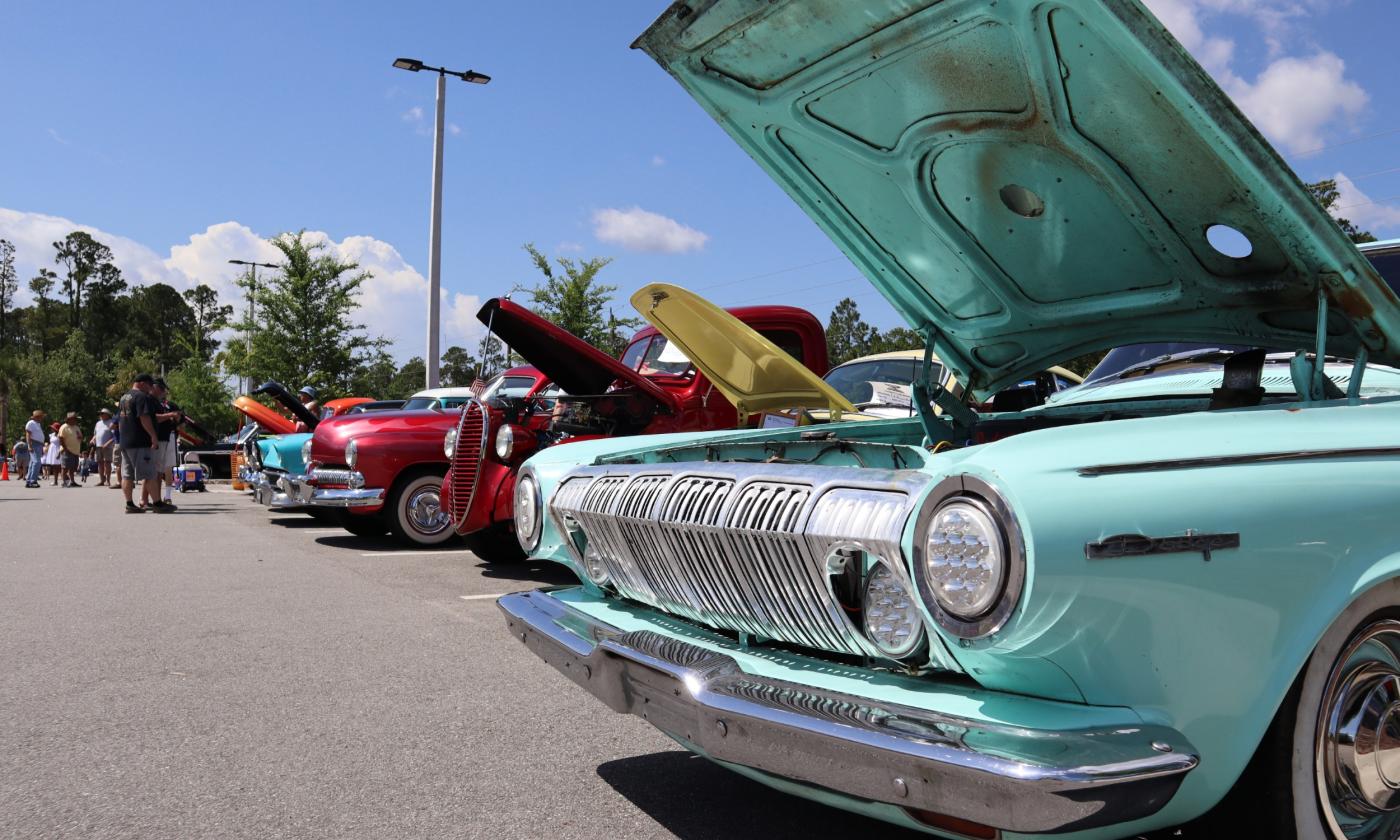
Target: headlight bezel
(449, 442)
(526, 479)
(306, 452)
(352, 453)
(505, 436)
(979, 494)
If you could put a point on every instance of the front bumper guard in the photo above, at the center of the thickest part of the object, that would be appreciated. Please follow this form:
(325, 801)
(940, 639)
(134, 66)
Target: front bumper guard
(1010, 777)
(268, 490)
(354, 496)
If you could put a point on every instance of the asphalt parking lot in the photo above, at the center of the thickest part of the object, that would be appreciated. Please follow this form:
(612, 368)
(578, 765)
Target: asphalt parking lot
(228, 672)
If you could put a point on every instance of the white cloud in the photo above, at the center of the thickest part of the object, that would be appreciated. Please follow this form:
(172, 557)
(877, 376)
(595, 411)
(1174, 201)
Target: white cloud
(641, 230)
(658, 160)
(57, 138)
(1364, 212)
(393, 301)
(568, 246)
(413, 115)
(1296, 100)
(454, 129)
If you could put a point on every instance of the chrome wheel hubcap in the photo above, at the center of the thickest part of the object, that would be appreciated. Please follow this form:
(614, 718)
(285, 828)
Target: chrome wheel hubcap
(1358, 751)
(425, 511)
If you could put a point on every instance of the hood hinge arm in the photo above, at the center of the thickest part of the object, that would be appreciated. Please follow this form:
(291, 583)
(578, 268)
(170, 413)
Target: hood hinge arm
(1310, 379)
(957, 417)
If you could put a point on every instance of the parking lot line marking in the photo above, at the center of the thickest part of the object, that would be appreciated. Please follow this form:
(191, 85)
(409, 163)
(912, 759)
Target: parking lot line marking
(319, 530)
(413, 553)
(481, 597)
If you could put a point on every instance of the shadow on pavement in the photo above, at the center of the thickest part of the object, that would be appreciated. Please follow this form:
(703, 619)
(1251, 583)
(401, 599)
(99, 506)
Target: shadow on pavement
(535, 571)
(354, 543)
(698, 800)
(296, 521)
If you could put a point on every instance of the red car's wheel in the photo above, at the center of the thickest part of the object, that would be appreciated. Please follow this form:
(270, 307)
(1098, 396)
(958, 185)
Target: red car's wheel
(415, 513)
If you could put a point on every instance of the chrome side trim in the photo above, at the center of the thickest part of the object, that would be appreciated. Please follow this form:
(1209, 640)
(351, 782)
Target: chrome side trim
(1012, 777)
(350, 478)
(1232, 460)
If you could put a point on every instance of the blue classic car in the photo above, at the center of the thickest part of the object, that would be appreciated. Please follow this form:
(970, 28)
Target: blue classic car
(1172, 593)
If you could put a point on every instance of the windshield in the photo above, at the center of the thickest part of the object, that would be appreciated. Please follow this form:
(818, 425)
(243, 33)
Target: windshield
(508, 386)
(420, 403)
(879, 381)
(655, 355)
(1120, 359)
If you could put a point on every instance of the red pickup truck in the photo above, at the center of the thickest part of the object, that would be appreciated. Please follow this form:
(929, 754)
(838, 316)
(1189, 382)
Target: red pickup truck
(385, 471)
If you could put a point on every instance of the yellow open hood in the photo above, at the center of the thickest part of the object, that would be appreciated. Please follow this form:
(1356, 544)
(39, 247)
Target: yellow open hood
(748, 369)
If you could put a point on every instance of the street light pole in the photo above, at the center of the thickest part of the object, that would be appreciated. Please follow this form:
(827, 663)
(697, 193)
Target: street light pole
(435, 241)
(435, 223)
(252, 292)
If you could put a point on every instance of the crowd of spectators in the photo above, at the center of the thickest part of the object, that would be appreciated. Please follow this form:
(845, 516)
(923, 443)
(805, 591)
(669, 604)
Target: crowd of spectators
(136, 446)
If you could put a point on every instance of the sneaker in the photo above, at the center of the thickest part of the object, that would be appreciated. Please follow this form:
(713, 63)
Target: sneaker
(166, 506)
(31, 484)
(131, 508)
(160, 507)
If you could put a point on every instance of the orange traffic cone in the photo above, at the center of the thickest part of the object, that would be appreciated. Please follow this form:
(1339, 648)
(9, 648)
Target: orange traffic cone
(4, 470)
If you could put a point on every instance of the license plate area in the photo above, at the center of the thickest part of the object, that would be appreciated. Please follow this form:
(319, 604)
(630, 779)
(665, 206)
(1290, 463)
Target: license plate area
(658, 698)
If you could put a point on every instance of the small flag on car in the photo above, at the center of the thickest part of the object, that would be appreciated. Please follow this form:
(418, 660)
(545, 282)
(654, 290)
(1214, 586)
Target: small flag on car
(478, 386)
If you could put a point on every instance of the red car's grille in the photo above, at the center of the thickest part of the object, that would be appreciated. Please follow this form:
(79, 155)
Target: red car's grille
(472, 431)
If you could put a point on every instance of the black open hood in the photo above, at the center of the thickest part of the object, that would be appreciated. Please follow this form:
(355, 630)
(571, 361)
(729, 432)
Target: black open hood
(279, 392)
(570, 362)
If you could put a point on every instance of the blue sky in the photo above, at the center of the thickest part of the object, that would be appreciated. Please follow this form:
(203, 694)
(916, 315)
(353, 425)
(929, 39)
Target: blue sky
(181, 133)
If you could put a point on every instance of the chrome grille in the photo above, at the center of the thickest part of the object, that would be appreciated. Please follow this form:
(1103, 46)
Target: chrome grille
(740, 547)
(472, 430)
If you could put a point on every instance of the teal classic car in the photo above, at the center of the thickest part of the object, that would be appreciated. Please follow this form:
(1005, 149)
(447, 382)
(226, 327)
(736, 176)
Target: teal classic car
(1170, 594)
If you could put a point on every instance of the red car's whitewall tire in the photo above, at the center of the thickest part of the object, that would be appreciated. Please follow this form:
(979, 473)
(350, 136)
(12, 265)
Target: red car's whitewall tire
(414, 511)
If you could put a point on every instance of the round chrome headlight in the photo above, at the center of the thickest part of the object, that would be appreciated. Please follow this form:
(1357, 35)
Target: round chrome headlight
(969, 560)
(449, 442)
(505, 442)
(891, 614)
(594, 567)
(306, 452)
(352, 453)
(528, 512)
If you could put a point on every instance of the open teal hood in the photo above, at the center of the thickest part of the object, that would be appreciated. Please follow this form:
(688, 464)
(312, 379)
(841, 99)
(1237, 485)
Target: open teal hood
(1030, 179)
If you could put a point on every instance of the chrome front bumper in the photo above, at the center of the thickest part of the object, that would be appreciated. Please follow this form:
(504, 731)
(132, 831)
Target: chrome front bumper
(355, 496)
(1008, 776)
(269, 490)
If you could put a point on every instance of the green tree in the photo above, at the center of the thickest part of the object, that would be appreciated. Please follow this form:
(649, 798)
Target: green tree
(897, 338)
(408, 380)
(209, 318)
(576, 301)
(374, 375)
(458, 368)
(307, 333)
(70, 379)
(41, 286)
(9, 287)
(167, 323)
(81, 257)
(1327, 195)
(847, 336)
(196, 387)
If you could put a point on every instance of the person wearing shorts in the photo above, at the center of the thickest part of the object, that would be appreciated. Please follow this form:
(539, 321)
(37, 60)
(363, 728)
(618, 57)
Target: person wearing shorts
(136, 418)
(70, 441)
(103, 445)
(168, 417)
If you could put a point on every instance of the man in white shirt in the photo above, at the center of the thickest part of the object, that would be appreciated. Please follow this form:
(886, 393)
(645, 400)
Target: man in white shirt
(34, 432)
(102, 444)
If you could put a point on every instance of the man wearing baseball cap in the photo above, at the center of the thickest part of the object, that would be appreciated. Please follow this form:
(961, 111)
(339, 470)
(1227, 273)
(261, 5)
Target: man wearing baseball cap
(34, 432)
(70, 441)
(136, 415)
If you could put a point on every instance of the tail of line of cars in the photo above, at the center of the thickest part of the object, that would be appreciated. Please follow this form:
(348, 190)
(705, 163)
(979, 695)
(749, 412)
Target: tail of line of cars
(956, 589)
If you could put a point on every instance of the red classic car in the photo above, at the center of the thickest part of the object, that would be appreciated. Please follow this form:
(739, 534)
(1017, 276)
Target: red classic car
(382, 471)
(653, 389)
